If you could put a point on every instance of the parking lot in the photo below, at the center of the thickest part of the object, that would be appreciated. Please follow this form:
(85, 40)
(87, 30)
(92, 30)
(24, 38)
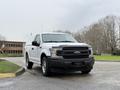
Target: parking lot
(104, 76)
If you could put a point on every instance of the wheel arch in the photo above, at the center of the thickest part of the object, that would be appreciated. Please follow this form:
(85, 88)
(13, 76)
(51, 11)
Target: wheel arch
(41, 57)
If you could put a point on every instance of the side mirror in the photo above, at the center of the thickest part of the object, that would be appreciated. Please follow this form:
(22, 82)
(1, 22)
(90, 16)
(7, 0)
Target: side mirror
(34, 43)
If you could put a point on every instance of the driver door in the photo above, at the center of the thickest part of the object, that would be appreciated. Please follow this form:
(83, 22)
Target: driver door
(36, 50)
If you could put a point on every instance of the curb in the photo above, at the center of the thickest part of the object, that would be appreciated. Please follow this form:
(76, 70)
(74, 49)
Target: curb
(20, 71)
(12, 75)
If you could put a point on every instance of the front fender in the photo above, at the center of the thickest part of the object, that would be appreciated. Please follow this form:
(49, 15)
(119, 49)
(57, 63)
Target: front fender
(46, 52)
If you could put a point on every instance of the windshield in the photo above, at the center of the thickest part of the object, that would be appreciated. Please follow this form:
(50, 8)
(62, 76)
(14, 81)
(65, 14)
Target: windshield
(46, 38)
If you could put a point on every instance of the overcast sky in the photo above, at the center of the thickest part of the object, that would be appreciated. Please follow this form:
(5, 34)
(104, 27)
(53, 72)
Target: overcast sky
(19, 18)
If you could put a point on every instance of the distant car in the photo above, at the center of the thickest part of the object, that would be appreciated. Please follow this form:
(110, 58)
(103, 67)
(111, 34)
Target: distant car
(59, 50)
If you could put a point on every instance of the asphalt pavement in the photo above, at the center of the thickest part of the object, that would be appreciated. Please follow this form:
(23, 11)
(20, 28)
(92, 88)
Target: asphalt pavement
(104, 76)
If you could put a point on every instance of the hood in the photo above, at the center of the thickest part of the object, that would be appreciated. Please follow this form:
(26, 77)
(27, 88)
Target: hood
(50, 45)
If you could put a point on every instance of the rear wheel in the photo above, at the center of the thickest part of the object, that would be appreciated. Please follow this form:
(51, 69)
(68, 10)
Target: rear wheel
(45, 67)
(28, 63)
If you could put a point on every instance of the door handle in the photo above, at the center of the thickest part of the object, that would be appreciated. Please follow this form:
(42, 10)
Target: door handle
(32, 48)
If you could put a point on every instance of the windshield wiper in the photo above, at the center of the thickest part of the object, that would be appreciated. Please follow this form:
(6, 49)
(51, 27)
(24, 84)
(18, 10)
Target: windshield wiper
(66, 41)
(51, 41)
(57, 41)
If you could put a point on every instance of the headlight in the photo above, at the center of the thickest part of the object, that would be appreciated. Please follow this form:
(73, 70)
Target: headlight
(91, 52)
(54, 50)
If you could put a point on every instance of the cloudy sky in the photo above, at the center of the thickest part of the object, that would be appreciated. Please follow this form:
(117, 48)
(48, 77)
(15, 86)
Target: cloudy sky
(19, 18)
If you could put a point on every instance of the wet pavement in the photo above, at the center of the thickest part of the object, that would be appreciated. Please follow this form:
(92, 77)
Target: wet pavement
(104, 76)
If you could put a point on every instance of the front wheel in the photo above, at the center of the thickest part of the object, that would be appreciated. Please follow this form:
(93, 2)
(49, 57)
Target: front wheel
(86, 71)
(45, 67)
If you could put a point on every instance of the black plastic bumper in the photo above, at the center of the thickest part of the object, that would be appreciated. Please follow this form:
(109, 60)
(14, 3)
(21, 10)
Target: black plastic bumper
(71, 64)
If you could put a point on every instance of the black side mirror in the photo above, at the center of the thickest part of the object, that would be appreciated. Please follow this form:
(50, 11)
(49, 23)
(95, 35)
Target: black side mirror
(34, 43)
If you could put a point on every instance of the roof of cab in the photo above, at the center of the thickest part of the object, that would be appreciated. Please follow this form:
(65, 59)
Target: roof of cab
(52, 33)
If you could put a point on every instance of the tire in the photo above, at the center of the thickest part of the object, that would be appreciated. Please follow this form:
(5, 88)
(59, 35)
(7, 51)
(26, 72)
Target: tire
(28, 63)
(86, 71)
(45, 67)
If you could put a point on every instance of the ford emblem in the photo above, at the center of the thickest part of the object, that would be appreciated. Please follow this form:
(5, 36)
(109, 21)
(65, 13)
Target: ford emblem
(77, 52)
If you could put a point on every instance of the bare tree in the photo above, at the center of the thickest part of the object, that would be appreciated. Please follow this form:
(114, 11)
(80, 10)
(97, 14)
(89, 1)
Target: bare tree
(110, 33)
(101, 35)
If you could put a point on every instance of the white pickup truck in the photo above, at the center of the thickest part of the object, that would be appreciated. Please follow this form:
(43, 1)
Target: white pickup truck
(59, 51)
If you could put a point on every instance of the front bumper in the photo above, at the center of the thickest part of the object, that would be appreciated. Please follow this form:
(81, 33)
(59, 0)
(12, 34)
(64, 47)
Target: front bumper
(71, 64)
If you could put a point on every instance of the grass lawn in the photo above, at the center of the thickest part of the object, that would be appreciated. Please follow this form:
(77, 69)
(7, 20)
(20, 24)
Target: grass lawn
(107, 57)
(8, 67)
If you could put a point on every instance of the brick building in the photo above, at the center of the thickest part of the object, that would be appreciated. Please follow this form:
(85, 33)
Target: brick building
(12, 47)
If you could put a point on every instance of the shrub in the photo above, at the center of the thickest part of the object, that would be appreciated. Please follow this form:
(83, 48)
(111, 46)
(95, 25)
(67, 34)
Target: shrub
(116, 52)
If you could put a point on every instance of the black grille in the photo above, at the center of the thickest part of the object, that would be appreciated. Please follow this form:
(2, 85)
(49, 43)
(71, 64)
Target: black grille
(75, 48)
(69, 52)
(75, 57)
